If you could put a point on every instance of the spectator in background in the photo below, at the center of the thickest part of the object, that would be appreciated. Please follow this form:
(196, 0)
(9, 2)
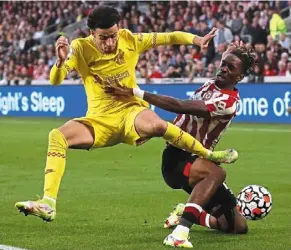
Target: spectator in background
(261, 57)
(173, 72)
(210, 70)
(259, 36)
(219, 51)
(195, 52)
(23, 23)
(246, 31)
(180, 64)
(277, 24)
(144, 74)
(256, 76)
(277, 50)
(270, 43)
(236, 23)
(284, 41)
(268, 71)
(282, 68)
(223, 34)
(251, 11)
(199, 69)
(284, 57)
(164, 63)
(156, 73)
(272, 61)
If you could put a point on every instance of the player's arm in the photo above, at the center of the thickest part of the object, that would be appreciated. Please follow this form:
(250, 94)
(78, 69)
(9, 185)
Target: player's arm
(193, 107)
(223, 105)
(66, 60)
(146, 41)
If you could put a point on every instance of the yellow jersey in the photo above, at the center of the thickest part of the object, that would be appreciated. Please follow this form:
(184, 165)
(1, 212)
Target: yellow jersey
(97, 69)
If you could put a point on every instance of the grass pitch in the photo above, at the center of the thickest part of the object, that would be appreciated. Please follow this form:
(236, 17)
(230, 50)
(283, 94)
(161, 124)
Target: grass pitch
(115, 198)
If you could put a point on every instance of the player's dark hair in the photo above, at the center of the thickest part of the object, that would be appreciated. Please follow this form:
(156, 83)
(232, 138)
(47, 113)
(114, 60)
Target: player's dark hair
(103, 17)
(248, 58)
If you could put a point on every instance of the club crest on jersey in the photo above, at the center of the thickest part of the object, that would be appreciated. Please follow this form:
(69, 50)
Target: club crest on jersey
(207, 96)
(119, 59)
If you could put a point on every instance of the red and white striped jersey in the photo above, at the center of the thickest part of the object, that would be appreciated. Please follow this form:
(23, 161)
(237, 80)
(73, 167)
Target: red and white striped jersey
(222, 106)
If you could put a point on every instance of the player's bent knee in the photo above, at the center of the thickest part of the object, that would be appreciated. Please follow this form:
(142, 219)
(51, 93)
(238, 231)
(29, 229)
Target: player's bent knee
(219, 175)
(158, 128)
(242, 229)
(241, 225)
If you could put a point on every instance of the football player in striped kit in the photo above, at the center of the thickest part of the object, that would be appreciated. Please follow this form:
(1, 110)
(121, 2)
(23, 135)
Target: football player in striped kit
(205, 116)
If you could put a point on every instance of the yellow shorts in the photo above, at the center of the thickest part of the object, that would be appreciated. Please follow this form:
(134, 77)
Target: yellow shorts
(114, 128)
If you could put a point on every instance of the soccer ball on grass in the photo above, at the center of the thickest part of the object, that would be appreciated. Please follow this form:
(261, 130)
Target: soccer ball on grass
(254, 202)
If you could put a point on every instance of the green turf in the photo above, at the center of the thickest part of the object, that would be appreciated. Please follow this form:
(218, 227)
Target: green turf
(115, 198)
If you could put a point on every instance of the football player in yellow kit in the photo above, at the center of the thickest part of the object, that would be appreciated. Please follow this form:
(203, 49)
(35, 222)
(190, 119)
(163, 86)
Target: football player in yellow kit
(107, 57)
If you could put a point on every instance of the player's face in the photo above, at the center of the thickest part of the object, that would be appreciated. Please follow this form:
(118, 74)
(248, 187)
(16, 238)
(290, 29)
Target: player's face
(229, 71)
(106, 39)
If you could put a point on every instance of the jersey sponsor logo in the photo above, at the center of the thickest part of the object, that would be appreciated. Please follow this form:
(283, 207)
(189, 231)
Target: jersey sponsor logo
(111, 79)
(119, 59)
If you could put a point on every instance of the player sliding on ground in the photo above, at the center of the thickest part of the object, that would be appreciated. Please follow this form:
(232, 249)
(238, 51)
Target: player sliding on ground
(106, 57)
(206, 116)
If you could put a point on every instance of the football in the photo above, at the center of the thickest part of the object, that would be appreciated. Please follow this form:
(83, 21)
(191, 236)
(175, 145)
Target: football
(254, 202)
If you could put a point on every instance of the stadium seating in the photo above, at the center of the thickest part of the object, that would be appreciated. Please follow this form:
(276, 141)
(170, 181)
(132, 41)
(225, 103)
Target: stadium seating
(28, 31)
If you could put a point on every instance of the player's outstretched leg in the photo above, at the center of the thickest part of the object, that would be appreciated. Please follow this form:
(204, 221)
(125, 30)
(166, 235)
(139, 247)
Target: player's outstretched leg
(201, 182)
(72, 133)
(149, 124)
(192, 214)
(55, 167)
(183, 140)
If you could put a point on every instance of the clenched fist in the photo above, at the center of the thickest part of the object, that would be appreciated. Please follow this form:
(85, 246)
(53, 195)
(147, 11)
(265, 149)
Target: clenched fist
(62, 50)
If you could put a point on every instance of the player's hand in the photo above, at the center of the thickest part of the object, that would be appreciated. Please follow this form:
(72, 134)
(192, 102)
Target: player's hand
(62, 48)
(289, 110)
(207, 38)
(118, 91)
(231, 47)
(235, 44)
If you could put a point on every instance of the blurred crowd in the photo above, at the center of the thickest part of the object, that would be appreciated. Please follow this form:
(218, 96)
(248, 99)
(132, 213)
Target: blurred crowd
(258, 23)
(22, 24)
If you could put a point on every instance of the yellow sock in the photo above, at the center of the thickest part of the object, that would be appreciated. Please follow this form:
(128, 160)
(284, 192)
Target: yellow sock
(55, 163)
(183, 140)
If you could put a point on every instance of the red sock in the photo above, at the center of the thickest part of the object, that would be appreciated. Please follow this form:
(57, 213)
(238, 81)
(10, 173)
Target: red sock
(194, 214)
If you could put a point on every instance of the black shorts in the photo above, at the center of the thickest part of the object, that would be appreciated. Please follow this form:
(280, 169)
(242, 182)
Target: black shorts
(176, 165)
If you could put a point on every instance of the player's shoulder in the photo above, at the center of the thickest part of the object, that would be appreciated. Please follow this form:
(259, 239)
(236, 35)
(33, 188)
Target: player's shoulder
(231, 94)
(125, 33)
(128, 37)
